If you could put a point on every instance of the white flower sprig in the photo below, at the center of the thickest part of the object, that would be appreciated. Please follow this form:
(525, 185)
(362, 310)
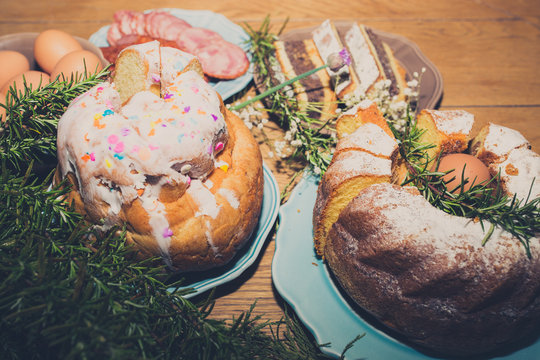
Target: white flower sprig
(307, 138)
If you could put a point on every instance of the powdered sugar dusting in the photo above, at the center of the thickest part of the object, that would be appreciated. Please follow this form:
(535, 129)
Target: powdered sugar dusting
(411, 218)
(369, 137)
(355, 162)
(518, 171)
(500, 140)
(452, 121)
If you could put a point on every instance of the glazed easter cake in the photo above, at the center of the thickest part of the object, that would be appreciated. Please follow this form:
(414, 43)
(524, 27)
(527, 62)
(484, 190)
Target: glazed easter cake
(418, 270)
(154, 149)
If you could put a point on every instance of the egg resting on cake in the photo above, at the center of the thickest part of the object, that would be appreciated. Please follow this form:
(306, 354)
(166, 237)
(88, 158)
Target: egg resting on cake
(155, 149)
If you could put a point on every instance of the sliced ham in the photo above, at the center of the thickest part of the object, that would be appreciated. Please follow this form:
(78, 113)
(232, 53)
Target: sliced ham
(162, 25)
(194, 38)
(222, 60)
(219, 58)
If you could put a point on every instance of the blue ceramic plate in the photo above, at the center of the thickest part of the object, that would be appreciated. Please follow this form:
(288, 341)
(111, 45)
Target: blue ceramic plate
(208, 20)
(206, 280)
(304, 282)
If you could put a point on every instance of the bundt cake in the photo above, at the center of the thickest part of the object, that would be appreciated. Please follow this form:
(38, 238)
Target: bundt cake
(423, 273)
(154, 149)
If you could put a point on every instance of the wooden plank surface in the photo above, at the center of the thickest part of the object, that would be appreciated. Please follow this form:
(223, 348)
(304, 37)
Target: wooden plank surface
(486, 50)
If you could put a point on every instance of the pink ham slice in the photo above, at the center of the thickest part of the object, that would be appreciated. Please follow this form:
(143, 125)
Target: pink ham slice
(162, 25)
(220, 59)
(194, 38)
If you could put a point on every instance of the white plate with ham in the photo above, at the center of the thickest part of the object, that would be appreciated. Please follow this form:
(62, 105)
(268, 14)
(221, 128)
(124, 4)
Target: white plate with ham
(221, 46)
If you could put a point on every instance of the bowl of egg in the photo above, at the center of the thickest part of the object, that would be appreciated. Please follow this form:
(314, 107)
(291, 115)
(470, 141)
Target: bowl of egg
(40, 58)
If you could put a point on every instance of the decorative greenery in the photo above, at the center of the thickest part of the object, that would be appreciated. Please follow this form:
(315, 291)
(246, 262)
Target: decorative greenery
(67, 292)
(485, 202)
(306, 139)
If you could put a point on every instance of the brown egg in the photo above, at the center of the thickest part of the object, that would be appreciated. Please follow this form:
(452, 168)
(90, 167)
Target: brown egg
(51, 45)
(13, 63)
(465, 167)
(74, 63)
(32, 78)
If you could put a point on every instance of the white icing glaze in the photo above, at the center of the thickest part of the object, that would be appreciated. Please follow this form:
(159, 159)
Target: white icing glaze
(120, 153)
(364, 64)
(206, 201)
(369, 137)
(230, 196)
(452, 121)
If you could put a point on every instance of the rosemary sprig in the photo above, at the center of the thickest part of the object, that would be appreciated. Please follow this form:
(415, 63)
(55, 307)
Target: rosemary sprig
(485, 202)
(29, 129)
(71, 293)
(305, 133)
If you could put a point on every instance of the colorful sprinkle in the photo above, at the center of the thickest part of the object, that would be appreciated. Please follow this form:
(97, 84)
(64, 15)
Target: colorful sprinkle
(108, 112)
(152, 147)
(187, 108)
(92, 156)
(167, 233)
(108, 163)
(219, 146)
(86, 137)
(201, 112)
(112, 139)
(167, 96)
(97, 124)
(156, 78)
(119, 147)
(85, 157)
(118, 156)
(224, 167)
(195, 89)
(124, 131)
(214, 117)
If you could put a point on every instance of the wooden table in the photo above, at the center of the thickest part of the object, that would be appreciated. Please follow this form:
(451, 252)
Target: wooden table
(488, 52)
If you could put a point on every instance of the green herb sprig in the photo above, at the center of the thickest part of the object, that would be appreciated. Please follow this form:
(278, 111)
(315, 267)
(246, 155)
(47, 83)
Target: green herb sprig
(485, 202)
(29, 128)
(310, 141)
(69, 292)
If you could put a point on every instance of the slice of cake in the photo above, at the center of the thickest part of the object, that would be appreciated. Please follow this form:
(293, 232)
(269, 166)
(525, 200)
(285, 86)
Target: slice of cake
(328, 42)
(363, 57)
(296, 57)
